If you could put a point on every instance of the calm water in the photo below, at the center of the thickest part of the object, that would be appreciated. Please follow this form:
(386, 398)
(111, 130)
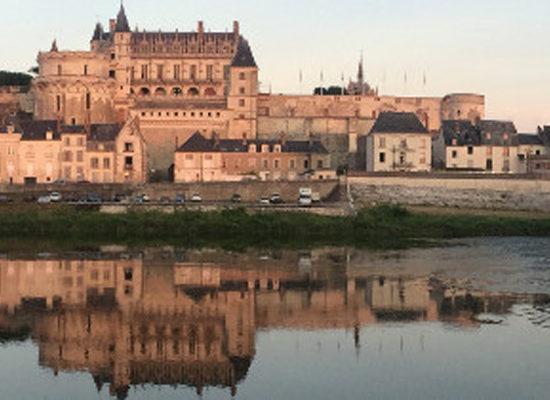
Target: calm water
(465, 322)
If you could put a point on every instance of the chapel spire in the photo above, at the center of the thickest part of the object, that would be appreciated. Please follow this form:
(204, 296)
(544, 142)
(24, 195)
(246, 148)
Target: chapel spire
(121, 20)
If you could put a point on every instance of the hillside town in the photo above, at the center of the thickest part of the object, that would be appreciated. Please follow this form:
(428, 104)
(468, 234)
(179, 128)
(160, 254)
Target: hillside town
(186, 107)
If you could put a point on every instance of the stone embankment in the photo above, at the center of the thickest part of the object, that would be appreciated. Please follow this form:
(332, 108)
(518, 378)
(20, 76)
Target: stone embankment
(467, 192)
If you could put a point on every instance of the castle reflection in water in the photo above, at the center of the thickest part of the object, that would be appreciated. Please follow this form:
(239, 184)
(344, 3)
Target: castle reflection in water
(169, 318)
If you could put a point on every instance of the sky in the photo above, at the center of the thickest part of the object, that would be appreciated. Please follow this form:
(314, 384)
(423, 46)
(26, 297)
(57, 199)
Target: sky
(496, 48)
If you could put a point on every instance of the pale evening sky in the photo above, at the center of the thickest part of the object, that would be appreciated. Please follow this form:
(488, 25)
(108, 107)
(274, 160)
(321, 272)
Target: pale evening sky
(497, 48)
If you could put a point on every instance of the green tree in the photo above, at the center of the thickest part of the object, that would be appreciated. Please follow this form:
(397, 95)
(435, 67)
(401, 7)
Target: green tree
(14, 78)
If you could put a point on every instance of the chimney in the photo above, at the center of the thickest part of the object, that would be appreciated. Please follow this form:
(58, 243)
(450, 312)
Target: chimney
(112, 25)
(216, 139)
(283, 139)
(236, 29)
(201, 28)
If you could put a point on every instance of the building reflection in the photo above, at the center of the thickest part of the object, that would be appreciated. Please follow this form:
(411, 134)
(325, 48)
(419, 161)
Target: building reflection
(170, 318)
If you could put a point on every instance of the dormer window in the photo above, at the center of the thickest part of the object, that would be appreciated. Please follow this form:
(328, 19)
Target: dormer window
(252, 148)
(488, 136)
(277, 148)
(265, 148)
(505, 136)
(455, 142)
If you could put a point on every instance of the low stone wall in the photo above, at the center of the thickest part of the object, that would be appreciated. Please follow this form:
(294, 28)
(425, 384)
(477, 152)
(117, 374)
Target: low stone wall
(209, 191)
(462, 192)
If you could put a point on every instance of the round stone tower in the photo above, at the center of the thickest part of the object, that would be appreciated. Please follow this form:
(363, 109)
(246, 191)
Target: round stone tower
(463, 106)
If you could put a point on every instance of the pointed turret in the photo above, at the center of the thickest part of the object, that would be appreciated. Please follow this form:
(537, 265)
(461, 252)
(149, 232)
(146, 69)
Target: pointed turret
(121, 20)
(98, 32)
(54, 45)
(243, 56)
(360, 74)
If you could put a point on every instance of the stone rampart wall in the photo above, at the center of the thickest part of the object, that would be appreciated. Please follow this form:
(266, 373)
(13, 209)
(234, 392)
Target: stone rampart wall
(475, 193)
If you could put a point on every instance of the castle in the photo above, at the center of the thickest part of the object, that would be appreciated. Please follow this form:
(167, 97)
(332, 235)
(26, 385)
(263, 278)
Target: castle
(179, 83)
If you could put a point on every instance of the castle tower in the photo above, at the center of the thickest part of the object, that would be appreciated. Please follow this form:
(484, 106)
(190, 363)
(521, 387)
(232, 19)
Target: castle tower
(243, 92)
(121, 64)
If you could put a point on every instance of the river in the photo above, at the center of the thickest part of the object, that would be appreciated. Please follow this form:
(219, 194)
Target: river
(470, 320)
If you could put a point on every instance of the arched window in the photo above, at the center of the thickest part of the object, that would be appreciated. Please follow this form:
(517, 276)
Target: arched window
(177, 91)
(210, 92)
(193, 91)
(160, 92)
(144, 92)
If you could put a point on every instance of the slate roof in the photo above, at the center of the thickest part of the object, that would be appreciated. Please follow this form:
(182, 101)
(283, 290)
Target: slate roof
(97, 133)
(398, 122)
(99, 33)
(36, 130)
(463, 132)
(197, 143)
(243, 56)
(529, 139)
(121, 21)
(486, 132)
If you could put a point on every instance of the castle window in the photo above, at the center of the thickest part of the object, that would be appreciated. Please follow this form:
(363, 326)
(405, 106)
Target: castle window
(67, 156)
(177, 91)
(85, 70)
(277, 148)
(73, 121)
(382, 142)
(193, 91)
(241, 103)
(241, 90)
(382, 157)
(112, 73)
(276, 164)
(59, 69)
(292, 164)
(128, 162)
(94, 163)
(470, 150)
(177, 70)
(306, 164)
(160, 92)
(88, 101)
(112, 56)
(319, 164)
(128, 147)
(144, 91)
(144, 72)
(80, 156)
(265, 163)
(58, 102)
(106, 163)
(143, 114)
(160, 71)
(209, 72)
(193, 72)
(242, 76)
(506, 151)
(454, 154)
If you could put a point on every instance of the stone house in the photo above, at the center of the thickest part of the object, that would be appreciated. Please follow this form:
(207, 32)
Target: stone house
(488, 146)
(215, 159)
(33, 151)
(398, 142)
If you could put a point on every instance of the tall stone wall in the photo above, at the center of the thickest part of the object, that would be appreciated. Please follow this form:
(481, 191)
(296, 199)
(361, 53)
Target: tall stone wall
(461, 192)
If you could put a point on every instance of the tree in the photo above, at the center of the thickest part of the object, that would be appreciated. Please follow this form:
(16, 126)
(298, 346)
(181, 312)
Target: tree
(14, 78)
(331, 91)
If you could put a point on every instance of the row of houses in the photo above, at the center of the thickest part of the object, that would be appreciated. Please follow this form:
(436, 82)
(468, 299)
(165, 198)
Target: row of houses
(34, 151)
(398, 142)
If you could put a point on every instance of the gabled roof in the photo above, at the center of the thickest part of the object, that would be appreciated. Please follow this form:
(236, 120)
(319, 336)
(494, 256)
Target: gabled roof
(398, 122)
(36, 130)
(97, 132)
(197, 143)
(243, 56)
(486, 132)
(529, 139)
(121, 21)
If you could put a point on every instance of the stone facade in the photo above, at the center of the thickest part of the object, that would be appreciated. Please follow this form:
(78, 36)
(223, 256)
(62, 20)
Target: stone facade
(398, 142)
(46, 151)
(208, 160)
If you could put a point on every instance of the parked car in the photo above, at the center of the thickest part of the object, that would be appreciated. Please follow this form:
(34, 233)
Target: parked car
(55, 197)
(93, 198)
(165, 200)
(236, 198)
(4, 198)
(71, 198)
(44, 199)
(196, 198)
(179, 199)
(29, 198)
(264, 200)
(59, 182)
(275, 199)
(120, 198)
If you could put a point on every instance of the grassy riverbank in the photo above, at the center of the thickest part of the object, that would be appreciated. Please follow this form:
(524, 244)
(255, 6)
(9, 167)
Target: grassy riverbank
(380, 226)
